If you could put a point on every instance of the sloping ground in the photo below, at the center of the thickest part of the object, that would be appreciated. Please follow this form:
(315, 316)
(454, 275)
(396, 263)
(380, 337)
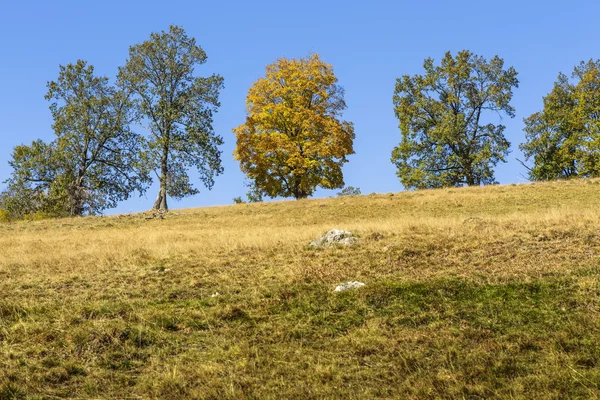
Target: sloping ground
(470, 293)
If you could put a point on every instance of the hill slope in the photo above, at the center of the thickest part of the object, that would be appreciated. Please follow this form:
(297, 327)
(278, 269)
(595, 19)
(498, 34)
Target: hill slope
(470, 293)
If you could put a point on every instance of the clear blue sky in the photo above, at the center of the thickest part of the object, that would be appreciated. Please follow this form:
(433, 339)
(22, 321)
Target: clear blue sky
(369, 44)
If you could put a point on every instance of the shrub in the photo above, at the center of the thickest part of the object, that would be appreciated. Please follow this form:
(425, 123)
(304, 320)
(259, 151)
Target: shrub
(349, 191)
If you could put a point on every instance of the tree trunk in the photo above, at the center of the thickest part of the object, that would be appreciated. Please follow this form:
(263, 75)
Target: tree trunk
(469, 175)
(299, 193)
(161, 199)
(78, 197)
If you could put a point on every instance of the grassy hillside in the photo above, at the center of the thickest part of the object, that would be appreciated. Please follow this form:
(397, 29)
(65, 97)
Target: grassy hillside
(470, 293)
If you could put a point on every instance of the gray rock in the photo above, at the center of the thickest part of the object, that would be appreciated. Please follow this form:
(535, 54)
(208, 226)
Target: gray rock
(335, 237)
(348, 285)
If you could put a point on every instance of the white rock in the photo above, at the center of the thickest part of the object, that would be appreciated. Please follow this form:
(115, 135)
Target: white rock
(348, 285)
(215, 294)
(335, 237)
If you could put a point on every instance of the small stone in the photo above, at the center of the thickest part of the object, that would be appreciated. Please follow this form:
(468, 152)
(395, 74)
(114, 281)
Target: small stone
(348, 285)
(215, 294)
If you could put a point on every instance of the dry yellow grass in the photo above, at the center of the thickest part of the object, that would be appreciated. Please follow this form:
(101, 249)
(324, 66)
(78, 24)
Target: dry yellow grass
(92, 245)
(121, 305)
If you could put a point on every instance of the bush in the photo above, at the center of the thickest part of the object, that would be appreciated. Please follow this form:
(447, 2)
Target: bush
(349, 191)
(4, 216)
(38, 216)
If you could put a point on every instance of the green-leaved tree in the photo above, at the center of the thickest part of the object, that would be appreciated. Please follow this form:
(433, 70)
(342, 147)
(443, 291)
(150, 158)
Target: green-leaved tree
(178, 108)
(446, 119)
(38, 183)
(95, 160)
(564, 138)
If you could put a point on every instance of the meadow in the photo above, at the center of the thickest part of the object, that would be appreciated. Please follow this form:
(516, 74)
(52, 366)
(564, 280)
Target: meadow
(479, 292)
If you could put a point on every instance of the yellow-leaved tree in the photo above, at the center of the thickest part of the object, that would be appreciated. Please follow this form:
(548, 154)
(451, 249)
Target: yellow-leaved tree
(294, 140)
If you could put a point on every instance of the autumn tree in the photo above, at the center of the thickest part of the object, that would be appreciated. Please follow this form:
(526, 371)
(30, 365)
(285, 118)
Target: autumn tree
(95, 160)
(293, 140)
(446, 120)
(564, 138)
(178, 108)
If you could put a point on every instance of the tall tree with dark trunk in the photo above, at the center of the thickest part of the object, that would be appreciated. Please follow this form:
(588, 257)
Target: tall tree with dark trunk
(95, 160)
(178, 108)
(448, 138)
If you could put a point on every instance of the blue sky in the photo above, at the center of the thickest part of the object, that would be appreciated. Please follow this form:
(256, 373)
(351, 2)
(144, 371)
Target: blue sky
(369, 44)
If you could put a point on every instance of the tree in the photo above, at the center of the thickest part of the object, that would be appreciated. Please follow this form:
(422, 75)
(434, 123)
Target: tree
(564, 138)
(448, 138)
(39, 183)
(178, 108)
(95, 160)
(293, 139)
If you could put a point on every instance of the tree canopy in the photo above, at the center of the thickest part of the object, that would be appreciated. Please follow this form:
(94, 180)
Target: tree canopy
(294, 140)
(178, 109)
(446, 115)
(564, 138)
(95, 160)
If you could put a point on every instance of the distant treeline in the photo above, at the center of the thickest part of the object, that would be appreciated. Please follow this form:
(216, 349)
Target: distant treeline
(294, 138)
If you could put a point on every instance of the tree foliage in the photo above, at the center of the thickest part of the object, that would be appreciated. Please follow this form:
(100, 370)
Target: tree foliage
(178, 108)
(293, 139)
(95, 160)
(564, 138)
(39, 183)
(445, 117)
